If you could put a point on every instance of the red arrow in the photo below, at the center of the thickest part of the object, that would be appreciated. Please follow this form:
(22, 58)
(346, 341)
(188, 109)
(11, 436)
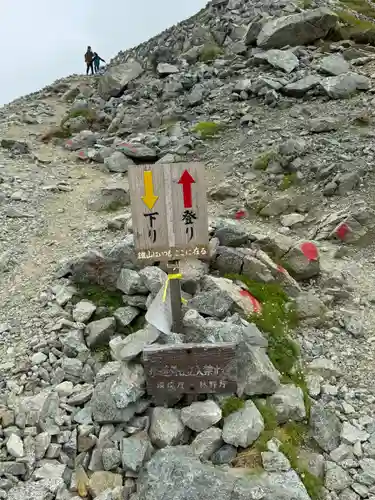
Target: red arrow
(187, 180)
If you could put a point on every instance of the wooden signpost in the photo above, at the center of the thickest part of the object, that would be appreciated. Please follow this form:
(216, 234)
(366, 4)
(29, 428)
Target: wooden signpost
(170, 222)
(190, 369)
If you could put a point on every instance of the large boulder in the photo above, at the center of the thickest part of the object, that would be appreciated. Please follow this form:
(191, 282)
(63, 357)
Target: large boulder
(344, 85)
(101, 268)
(115, 80)
(297, 29)
(176, 474)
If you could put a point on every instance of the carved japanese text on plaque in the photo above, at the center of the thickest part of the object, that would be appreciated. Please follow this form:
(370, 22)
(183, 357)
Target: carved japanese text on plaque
(190, 369)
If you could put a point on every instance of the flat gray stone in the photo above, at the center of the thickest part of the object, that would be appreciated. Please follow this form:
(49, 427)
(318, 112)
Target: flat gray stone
(99, 332)
(224, 455)
(244, 426)
(83, 311)
(129, 385)
(207, 442)
(200, 416)
(176, 473)
(256, 374)
(334, 65)
(325, 427)
(336, 478)
(154, 278)
(104, 408)
(288, 404)
(131, 283)
(124, 317)
(125, 349)
(135, 450)
(166, 427)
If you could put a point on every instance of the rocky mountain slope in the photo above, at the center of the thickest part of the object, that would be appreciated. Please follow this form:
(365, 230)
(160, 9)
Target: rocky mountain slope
(276, 99)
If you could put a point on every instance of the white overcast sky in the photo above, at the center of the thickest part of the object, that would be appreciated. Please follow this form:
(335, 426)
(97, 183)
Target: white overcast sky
(43, 40)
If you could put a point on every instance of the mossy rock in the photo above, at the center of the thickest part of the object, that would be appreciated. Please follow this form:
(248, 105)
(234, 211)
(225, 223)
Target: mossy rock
(358, 29)
(288, 181)
(293, 436)
(210, 52)
(298, 379)
(306, 4)
(87, 113)
(262, 161)
(55, 133)
(360, 6)
(207, 129)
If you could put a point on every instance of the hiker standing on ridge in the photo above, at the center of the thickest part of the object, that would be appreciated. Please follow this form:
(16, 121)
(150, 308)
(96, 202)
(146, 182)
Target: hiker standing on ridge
(89, 56)
(96, 60)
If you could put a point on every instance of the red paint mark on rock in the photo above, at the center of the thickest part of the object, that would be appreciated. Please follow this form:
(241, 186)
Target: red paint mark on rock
(240, 214)
(281, 269)
(257, 307)
(342, 231)
(309, 250)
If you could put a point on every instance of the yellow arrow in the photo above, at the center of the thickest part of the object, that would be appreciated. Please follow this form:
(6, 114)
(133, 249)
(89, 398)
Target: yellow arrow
(149, 199)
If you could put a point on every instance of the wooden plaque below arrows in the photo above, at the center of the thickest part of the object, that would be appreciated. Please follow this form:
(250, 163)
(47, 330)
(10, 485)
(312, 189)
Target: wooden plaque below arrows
(190, 369)
(169, 211)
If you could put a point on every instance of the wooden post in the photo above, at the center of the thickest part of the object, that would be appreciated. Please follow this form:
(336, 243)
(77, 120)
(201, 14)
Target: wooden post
(175, 295)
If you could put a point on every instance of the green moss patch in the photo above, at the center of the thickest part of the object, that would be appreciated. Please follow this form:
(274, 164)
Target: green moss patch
(87, 113)
(262, 161)
(270, 425)
(207, 130)
(277, 319)
(288, 181)
(210, 52)
(360, 6)
(295, 435)
(231, 405)
(356, 28)
(62, 131)
(102, 354)
(101, 297)
(298, 379)
(55, 132)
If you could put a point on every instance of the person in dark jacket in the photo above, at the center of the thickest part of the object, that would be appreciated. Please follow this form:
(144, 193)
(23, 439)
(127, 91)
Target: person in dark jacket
(96, 60)
(89, 57)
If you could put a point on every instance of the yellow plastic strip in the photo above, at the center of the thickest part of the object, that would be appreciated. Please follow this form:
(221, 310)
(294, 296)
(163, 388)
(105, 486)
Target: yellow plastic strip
(171, 277)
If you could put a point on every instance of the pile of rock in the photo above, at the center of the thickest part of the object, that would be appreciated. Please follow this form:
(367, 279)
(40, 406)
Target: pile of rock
(76, 424)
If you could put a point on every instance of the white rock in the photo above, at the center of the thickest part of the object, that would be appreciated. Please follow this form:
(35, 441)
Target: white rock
(64, 389)
(15, 446)
(38, 358)
(200, 416)
(243, 427)
(83, 311)
(351, 434)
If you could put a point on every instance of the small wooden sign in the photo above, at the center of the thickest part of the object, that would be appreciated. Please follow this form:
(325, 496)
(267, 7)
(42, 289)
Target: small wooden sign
(190, 369)
(169, 211)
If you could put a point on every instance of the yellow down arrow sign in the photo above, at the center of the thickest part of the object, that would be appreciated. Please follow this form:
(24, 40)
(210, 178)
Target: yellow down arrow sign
(149, 199)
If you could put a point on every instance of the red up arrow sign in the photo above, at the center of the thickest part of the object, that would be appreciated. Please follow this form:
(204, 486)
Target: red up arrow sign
(187, 180)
